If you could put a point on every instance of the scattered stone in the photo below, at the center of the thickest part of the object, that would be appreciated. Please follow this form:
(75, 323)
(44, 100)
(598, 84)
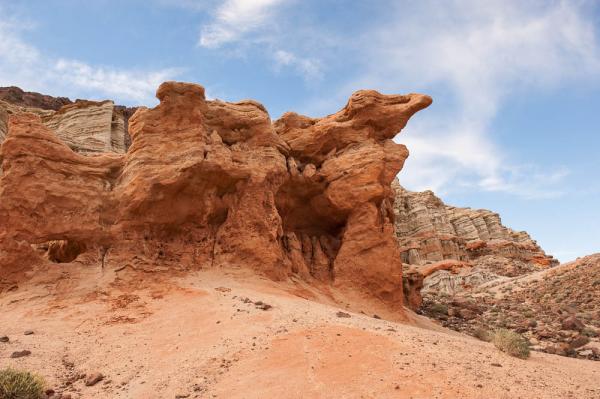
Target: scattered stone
(223, 289)
(4, 338)
(93, 379)
(262, 305)
(182, 395)
(579, 341)
(342, 314)
(376, 316)
(19, 354)
(28, 332)
(496, 364)
(572, 323)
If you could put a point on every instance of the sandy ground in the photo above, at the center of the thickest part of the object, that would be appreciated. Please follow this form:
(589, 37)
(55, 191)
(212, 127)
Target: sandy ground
(201, 335)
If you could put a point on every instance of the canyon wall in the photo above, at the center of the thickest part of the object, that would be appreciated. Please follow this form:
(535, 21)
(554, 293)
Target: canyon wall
(429, 230)
(209, 184)
(447, 249)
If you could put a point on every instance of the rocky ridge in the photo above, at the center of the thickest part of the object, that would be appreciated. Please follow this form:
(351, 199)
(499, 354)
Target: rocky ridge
(209, 184)
(557, 310)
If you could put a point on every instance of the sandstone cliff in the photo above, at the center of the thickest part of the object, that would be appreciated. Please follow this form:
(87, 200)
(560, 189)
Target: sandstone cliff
(453, 248)
(210, 184)
(429, 230)
(86, 126)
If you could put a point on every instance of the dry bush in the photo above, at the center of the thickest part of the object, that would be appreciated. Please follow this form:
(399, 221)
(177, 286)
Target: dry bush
(483, 334)
(16, 384)
(512, 343)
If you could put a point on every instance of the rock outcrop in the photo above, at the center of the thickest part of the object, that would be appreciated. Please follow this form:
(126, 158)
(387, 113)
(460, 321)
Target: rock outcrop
(89, 126)
(16, 96)
(429, 231)
(86, 126)
(212, 184)
(447, 249)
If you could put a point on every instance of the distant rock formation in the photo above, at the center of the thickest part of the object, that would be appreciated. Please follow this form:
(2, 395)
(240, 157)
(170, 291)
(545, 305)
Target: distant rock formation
(16, 96)
(456, 248)
(87, 127)
(209, 184)
(429, 230)
(90, 127)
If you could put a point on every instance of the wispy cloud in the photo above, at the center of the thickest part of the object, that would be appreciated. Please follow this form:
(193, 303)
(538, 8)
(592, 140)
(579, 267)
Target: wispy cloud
(257, 25)
(310, 68)
(481, 55)
(235, 18)
(130, 84)
(22, 64)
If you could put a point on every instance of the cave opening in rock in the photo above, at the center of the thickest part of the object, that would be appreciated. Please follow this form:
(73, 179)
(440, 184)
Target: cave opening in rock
(61, 251)
(312, 228)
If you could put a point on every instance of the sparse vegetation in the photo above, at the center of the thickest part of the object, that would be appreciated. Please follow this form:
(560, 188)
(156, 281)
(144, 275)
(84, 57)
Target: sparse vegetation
(589, 332)
(483, 334)
(511, 343)
(17, 384)
(438, 308)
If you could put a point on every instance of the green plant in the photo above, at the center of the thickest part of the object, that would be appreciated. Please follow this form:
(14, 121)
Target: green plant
(16, 384)
(511, 343)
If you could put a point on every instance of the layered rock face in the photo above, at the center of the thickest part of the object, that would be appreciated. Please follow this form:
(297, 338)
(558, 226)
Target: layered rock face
(89, 127)
(210, 183)
(86, 126)
(429, 230)
(448, 249)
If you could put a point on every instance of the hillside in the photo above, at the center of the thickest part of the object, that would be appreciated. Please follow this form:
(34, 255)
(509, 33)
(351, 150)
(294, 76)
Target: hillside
(207, 334)
(557, 309)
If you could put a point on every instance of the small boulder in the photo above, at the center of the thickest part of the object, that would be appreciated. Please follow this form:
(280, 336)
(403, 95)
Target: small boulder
(19, 354)
(579, 341)
(93, 379)
(342, 314)
(28, 332)
(572, 323)
(4, 338)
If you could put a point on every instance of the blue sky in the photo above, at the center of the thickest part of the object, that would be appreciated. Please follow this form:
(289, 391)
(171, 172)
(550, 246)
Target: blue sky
(515, 123)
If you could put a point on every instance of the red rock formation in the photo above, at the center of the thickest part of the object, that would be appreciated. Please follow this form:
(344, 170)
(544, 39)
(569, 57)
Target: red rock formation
(209, 183)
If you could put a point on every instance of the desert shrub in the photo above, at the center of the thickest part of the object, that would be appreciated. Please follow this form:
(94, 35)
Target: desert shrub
(589, 332)
(483, 334)
(511, 343)
(16, 384)
(438, 308)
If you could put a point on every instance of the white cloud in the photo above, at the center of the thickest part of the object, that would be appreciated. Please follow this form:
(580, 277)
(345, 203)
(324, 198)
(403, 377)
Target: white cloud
(310, 68)
(482, 54)
(24, 65)
(130, 84)
(235, 18)
(257, 24)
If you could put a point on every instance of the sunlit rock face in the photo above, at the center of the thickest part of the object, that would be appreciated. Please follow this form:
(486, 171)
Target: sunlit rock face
(209, 184)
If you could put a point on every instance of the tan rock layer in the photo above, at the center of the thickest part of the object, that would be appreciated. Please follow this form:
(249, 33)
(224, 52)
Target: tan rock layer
(88, 127)
(209, 183)
(429, 231)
